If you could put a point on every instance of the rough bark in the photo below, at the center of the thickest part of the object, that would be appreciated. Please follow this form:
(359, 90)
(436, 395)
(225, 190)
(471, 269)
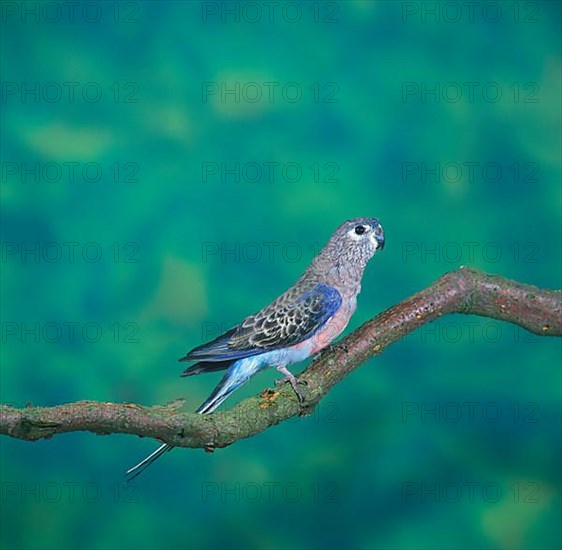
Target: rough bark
(462, 291)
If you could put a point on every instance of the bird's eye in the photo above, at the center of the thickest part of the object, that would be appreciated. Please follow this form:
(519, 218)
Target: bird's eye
(359, 230)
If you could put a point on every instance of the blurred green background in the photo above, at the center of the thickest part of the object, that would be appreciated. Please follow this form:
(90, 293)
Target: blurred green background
(451, 438)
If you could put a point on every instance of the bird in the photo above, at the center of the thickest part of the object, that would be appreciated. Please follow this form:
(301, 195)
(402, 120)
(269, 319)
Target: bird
(299, 323)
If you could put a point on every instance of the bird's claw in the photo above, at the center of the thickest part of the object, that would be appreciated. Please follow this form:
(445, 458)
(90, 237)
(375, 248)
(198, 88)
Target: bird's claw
(295, 385)
(285, 379)
(290, 377)
(300, 394)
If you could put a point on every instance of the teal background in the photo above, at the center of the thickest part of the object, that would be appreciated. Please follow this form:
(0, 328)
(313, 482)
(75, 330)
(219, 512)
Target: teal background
(340, 478)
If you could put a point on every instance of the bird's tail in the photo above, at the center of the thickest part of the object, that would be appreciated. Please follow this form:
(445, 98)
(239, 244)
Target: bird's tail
(235, 376)
(217, 397)
(139, 468)
(220, 393)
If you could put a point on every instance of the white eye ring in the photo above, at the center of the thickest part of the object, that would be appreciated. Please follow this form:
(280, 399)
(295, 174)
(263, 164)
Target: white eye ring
(358, 236)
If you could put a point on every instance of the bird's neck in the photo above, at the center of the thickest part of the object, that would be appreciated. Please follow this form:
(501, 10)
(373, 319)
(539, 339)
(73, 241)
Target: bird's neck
(342, 275)
(348, 277)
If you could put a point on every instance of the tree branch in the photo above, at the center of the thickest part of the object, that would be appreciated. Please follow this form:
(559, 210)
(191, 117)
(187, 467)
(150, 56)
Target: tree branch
(461, 291)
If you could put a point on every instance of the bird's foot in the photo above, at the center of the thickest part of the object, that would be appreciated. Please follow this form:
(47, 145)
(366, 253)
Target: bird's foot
(289, 377)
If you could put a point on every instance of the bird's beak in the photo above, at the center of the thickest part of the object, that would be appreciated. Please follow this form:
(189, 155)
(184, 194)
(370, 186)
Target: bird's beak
(378, 237)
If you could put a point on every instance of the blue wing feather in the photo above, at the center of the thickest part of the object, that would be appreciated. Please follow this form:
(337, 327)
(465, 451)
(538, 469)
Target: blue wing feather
(283, 324)
(218, 350)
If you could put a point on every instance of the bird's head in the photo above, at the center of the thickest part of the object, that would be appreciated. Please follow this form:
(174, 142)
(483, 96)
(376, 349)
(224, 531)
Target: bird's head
(364, 234)
(351, 246)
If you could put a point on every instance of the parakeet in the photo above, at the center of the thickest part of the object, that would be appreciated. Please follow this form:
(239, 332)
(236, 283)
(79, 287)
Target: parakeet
(299, 323)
